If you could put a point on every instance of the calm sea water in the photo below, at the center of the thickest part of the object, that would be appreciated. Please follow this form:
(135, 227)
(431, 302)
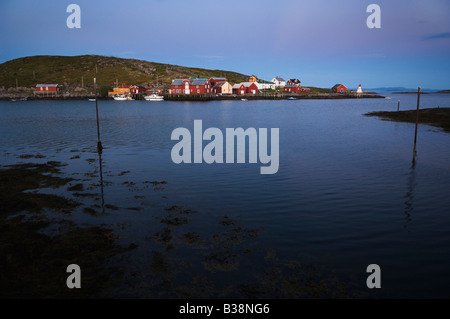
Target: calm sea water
(345, 195)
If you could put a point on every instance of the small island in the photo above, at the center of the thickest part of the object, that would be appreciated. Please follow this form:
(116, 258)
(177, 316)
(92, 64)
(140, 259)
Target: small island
(439, 116)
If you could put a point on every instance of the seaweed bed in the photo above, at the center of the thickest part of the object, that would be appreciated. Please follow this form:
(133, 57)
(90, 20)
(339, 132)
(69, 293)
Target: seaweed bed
(177, 261)
(439, 117)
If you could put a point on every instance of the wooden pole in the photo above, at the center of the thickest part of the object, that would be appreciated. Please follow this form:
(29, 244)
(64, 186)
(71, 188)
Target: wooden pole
(99, 143)
(398, 106)
(417, 124)
(82, 82)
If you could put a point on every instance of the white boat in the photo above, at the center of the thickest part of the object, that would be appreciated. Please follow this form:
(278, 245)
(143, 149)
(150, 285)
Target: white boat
(120, 98)
(244, 100)
(387, 98)
(292, 98)
(92, 100)
(154, 97)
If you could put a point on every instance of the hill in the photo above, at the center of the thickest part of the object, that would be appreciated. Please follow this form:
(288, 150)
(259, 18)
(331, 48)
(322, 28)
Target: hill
(69, 71)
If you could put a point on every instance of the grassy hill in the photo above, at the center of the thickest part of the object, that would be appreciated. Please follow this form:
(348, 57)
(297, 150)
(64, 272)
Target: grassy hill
(69, 70)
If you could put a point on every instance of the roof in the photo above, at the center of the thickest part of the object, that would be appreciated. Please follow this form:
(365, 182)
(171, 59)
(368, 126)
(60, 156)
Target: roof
(47, 85)
(178, 82)
(294, 80)
(266, 82)
(198, 78)
(199, 81)
(292, 86)
(279, 79)
(220, 79)
(220, 84)
(337, 85)
(236, 86)
(247, 84)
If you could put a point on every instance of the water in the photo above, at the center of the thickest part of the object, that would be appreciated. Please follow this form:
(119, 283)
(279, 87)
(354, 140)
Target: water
(345, 195)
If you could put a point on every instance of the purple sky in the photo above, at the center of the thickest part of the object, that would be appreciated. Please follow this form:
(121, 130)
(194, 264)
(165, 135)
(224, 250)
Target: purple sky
(320, 42)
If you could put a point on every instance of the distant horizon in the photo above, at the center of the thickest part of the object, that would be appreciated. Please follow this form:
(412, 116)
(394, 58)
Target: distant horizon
(320, 43)
(381, 88)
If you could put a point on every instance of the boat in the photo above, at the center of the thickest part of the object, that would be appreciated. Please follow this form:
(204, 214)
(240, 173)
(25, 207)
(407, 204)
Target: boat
(92, 100)
(244, 100)
(154, 97)
(387, 98)
(292, 98)
(120, 98)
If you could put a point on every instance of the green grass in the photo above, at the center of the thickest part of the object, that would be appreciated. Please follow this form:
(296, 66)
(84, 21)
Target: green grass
(69, 71)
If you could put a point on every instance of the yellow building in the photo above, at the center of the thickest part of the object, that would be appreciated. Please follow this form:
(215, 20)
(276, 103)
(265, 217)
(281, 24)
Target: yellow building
(123, 89)
(252, 79)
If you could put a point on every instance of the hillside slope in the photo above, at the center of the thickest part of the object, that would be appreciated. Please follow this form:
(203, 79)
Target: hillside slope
(69, 71)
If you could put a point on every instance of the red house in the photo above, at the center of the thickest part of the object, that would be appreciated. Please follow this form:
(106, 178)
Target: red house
(339, 88)
(43, 88)
(190, 86)
(137, 89)
(293, 88)
(214, 81)
(245, 88)
(293, 82)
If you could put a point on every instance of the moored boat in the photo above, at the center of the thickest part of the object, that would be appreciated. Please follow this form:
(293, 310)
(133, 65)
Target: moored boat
(154, 97)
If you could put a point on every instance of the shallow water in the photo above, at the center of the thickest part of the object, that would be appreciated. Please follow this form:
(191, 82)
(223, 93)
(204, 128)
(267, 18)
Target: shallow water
(345, 195)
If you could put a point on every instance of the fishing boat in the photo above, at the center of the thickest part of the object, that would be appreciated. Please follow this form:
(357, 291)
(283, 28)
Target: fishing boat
(120, 98)
(154, 97)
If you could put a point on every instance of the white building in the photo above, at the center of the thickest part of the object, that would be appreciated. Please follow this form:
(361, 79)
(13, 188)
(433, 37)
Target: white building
(278, 81)
(264, 85)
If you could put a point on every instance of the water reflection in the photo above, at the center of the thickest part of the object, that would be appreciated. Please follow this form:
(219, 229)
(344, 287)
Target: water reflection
(409, 196)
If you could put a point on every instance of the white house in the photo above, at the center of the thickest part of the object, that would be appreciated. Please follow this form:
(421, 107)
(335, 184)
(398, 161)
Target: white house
(278, 81)
(264, 85)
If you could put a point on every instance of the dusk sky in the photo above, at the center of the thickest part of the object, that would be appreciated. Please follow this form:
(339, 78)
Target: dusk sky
(320, 42)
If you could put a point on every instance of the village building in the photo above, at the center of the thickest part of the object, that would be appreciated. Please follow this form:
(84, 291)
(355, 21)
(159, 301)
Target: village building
(191, 86)
(47, 89)
(293, 82)
(222, 87)
(339, 88)
(253, 78)
(265, 85)
(137, 89)
(278, 81)
(245, 88)
(214, 81)
(121, 90)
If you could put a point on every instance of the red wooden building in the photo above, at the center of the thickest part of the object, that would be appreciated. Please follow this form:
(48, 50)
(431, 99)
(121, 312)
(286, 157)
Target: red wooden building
(293, 82)
(137, 89)
(214, 81)
(191, 86)
(245, 88)
(45, 88)
(339, 88)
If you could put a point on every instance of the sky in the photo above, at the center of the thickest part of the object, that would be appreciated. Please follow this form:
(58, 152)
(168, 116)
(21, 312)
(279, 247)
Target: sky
(319, 42)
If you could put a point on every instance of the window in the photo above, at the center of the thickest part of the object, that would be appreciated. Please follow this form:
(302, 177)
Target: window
(197, 87)
(198, 91)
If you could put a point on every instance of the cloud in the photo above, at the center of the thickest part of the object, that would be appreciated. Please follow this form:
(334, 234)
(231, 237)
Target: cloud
(445, 35)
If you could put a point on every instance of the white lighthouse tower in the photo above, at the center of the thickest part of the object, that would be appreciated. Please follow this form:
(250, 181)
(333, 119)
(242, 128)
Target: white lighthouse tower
(359, 91)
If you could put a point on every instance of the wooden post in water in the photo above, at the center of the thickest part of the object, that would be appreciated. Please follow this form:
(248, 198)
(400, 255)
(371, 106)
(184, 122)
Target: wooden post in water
(417, 124)
(398, 106)
(99, 143)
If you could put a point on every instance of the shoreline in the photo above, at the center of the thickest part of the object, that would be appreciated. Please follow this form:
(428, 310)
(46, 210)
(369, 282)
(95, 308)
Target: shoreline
(198, 97)
(438, 117)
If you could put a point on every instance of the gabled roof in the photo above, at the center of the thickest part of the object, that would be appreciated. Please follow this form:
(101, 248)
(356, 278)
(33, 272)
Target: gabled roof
(199, 81)
(279, 79)
(219, 84)
(247, 84)
(294, 80)
(178, 82)
(237, 86)
(47, 85)
(218, 79)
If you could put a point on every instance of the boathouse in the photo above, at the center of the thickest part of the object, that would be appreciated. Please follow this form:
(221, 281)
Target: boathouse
(47, 89)
(245, 88)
